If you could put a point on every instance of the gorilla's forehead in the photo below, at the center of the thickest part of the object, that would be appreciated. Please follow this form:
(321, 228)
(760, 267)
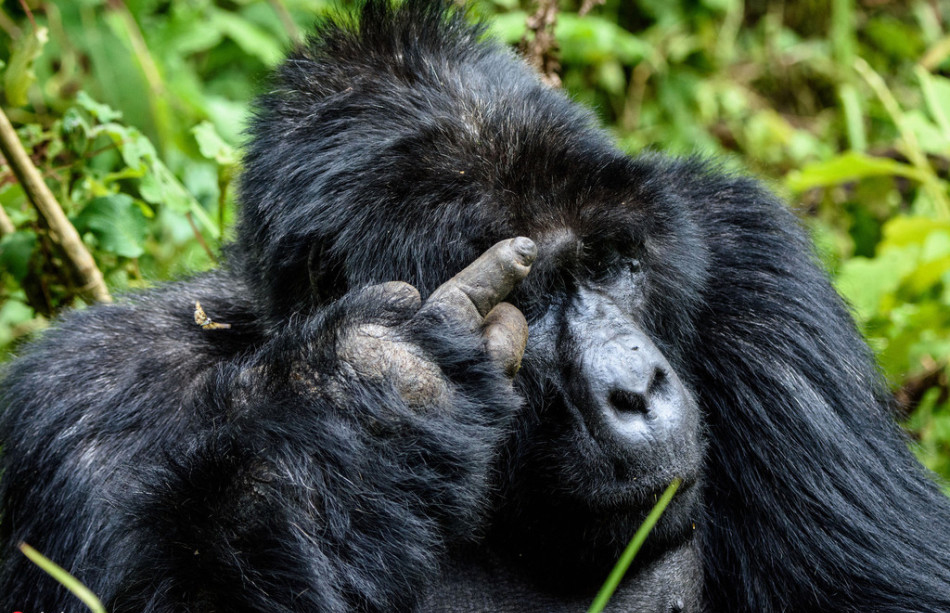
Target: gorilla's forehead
(396, 171)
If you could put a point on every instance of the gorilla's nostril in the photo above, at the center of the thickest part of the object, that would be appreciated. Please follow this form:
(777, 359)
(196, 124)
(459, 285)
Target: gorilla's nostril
(624, 401)
(658, 383)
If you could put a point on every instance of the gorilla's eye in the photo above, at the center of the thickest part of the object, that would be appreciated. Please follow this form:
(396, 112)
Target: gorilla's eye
(614, 268)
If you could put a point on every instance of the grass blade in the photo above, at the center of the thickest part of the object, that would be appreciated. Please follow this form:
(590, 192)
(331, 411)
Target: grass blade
(620, 568)
(71, 583)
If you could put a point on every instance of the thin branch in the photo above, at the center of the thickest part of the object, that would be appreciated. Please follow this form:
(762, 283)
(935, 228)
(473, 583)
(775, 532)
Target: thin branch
(61, 231)
(588, 5)
(541, 50)
(198, 235)
(29, 13)
(6, 225)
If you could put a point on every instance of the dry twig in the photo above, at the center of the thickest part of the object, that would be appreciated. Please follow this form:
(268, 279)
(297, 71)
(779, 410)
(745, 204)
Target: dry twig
(541, 50)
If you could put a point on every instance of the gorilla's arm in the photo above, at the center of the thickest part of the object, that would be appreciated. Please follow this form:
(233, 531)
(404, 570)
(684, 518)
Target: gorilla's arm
(815, 501)
(338, 459)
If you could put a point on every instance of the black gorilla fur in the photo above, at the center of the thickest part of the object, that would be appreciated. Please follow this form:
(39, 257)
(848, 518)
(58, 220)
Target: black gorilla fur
(271, 467)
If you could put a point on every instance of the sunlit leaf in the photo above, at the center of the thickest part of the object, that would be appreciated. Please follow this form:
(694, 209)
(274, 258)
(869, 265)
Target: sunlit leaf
(19, 74)
(849, 166)
(117, 223)
(252, 40)
(212, 146)
(103, 112)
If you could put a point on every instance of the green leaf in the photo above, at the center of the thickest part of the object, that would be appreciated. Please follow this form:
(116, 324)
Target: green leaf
(19, 75)
(103, 112)
(212, 146)
(13, 314)
(76, 130)
(592, 40)
(865, 282)
(508, 27)
(722, 6)
(117, 222)
(250, 38)
(905, 231)
(929, 136)
(136, 149)
(15, 252)
(158, 184)
(849, 166)
(936, 91)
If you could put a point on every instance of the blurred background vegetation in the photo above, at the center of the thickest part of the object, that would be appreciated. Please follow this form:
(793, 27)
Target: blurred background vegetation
(133, 112)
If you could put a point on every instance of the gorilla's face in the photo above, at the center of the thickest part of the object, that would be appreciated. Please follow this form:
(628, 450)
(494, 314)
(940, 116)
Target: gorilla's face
(609, 421)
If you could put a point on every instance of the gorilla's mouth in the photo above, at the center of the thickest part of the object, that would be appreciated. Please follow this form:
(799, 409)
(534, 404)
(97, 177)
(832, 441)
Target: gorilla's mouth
(633, 496)
(583, 465)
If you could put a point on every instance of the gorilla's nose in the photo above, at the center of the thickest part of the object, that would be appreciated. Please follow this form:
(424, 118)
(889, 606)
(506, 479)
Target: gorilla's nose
(633, 389)
(627, 377)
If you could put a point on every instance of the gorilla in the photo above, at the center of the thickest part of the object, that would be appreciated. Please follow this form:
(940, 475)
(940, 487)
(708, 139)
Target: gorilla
(459, 345)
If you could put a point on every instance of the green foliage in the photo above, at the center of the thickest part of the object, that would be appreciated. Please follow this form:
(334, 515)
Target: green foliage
(133, 110)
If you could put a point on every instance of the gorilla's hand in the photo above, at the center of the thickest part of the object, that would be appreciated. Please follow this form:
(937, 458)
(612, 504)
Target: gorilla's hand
(396, 338)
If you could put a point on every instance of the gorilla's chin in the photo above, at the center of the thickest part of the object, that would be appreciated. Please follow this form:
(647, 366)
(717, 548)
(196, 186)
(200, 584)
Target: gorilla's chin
(572, 531)
(571, 545)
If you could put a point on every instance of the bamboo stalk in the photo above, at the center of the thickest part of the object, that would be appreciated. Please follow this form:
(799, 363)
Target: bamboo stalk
(61, 230)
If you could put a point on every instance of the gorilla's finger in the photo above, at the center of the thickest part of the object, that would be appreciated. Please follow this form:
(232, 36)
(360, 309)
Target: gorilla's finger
(485, 282)
(392, 301)
(506, 333)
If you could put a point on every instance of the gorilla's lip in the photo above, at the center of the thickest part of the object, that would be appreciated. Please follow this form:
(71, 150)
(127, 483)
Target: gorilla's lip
(646, 482)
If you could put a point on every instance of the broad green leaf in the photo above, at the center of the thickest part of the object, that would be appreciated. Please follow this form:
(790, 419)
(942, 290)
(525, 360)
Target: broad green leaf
(936, 91)
(928, 274)
(250, 38)
(14, 313)
(849, 166)
(722, 6)
(117, 222)
(941, 86)
(15, 252)
(936, 246)
(928, 135)
(592, 40)
(611, 77)
(19, 74)
(103, 112)
(229, 118)
(896, 38)
(158, 184)
(508, 27)
(212, 146)
(904, 231)
(137, 150)
(865, 282)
